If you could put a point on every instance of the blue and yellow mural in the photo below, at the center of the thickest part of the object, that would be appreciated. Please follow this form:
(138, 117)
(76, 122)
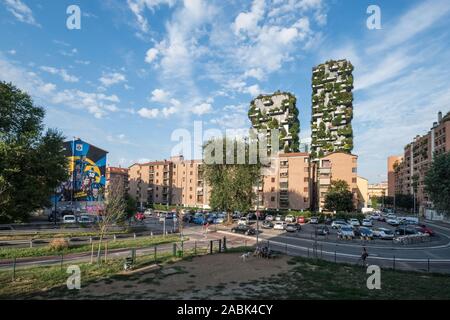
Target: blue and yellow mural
(87, 168)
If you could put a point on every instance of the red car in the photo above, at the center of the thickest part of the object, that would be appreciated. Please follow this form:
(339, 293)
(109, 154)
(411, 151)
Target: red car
(424, 229)
(300, 219)
(139, 216)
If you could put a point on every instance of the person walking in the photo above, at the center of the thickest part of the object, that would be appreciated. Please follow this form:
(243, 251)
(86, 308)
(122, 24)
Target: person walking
(364, 256)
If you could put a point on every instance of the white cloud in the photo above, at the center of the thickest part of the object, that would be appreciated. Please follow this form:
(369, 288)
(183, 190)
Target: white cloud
(21, 11)
(152, 113)
(12, 52)
(138, 8)
(109, 79)
(151, 55)
(253, 90)
(202, 109)
(159, 95)
(60, 72)
(85, 62)
(247, 22)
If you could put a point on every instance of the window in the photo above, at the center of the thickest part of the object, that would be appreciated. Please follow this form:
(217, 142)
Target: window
(305, 199)
(305, 189)
(272, 199)
(272, 189)
(306, 160)
(273, 179)
(174, 166)
(354, 180)
(157, 174)
(306, 179)
(190, 173)
(354, 170)
(306, 169)
(190, 188)
(190, 197)
(157, 180)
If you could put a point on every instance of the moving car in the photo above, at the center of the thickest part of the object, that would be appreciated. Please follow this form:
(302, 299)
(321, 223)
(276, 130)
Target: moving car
(367, 223)
(244, 229)
(363, 232)
(354, 222)
(314, 220)
(424, 229)
(383, 233)
(267, 225)
(322, 231)
(336, 224)
(404, 231)
(291, 227)
(345, 232)
(289, 218)
(279, 225)
(69, 219)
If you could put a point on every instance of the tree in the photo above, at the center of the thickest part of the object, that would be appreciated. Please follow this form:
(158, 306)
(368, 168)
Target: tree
(32, 162)
(437, 182)
(115, 210)
(339, 197)
(231, 183)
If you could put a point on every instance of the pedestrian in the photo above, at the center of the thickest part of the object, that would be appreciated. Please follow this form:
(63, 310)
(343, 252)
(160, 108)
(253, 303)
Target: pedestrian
(364, 256)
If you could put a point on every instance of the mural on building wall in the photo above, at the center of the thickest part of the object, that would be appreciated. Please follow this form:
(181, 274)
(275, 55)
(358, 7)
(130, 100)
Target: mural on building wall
(87, 168)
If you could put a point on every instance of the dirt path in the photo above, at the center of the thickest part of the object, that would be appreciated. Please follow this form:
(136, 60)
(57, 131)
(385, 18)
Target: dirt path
(206, 277)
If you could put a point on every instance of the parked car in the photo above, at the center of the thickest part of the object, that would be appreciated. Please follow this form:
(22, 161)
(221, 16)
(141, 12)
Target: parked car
(85, 219)
(336, 224)
(251, 216)
(354, 222)
(139, 216)
(148, 212)
(243, 221)
(289, 218)
(199, 219)
(393, 222)
(345, 232)
(408, 220)
(404, 231)
(188, 218)
(269, 217)
(367, 223)
(328, 221)
(375, 216)
(314, 220)
(291, 227)
(322, 231)
(267, 224)
(424, 229)
(70, 218)
(363, 232)
(53, 214)
(279, 225)
(301, 219)
(383, 233)
(244, 229)
(236, 215)
(278, 218)
(218, 220)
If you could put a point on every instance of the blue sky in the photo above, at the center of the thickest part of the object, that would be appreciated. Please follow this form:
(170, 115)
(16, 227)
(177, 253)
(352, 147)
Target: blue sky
(139, 69)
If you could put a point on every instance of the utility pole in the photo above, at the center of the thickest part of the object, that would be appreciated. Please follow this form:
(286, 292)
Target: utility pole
(257, 212)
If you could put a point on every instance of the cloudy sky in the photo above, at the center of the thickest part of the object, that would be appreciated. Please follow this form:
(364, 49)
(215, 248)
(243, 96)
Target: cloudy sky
(138, 70)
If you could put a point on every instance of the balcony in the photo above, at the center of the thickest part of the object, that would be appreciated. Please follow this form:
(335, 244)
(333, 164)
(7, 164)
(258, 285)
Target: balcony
(268, 102)
(325, 181)
(325, 170)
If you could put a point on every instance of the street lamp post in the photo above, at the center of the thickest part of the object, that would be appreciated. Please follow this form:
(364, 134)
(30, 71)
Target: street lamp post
(257, 214)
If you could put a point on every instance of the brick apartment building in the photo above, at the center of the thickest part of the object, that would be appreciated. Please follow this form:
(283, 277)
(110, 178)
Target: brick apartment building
(417, 158)
(114, 173)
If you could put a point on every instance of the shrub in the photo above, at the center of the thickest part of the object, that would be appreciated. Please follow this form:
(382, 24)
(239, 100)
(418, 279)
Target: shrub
(59, 244)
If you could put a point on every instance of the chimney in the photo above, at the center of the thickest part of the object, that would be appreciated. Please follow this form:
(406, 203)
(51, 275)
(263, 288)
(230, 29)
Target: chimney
(439, 117)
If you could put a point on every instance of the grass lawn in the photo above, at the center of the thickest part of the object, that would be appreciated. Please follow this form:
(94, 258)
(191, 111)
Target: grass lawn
(225, 276)
(9, 253)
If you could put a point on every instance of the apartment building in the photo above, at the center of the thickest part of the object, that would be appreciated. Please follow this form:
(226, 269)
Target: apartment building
(286, 183)
(169, 182)
(277, 111)
(336, 166)
(114, 174)
(363, 192)
(392, 163)
(332, 108)
(410, 169)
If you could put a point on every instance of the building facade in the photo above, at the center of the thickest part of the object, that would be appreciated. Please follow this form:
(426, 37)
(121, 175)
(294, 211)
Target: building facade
(286, 183)
(113, 175)
(410, 169)
(332, 108)
(277, 111)
(392, 163)
(336, 166)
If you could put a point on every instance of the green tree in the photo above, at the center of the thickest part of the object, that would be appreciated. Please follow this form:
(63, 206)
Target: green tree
(339, 197)
(231, 182)
(32, 162)
(437, 182)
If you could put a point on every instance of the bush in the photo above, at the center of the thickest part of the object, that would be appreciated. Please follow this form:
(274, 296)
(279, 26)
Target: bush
(59, 244)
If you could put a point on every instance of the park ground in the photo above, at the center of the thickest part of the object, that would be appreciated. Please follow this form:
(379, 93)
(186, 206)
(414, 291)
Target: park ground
(224, 276)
